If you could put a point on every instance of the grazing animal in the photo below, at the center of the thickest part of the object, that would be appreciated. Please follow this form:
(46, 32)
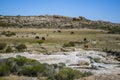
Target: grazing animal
(72, 32)
(86, 46)
(85, 39)
(37, 37)
(43, 38)
(54, 31)
(59, 31)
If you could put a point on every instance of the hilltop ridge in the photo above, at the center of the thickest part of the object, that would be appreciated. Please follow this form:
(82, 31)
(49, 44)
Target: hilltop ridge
(55, 21)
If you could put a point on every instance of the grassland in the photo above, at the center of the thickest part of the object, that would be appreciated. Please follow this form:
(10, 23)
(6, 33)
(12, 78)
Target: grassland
(55, 40)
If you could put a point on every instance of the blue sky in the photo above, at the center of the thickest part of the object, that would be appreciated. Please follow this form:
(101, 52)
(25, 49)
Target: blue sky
(107, 10)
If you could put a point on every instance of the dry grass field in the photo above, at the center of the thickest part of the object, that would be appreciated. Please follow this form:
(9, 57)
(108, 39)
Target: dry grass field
(54, 40)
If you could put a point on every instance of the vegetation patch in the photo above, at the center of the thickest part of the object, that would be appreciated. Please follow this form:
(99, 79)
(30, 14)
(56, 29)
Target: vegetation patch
(21, 47)
(2, 46)
(40, 41)
(70, 74)
(70, 44)
(8, 33)
(23, 66)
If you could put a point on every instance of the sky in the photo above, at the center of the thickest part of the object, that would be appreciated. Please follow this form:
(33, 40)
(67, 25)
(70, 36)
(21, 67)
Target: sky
(106, 10)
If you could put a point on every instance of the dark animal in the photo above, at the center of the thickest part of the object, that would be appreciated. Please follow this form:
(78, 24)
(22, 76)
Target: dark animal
(43, 38)
(72, 32)
(37, 37)
(59, 31)
(86, 46)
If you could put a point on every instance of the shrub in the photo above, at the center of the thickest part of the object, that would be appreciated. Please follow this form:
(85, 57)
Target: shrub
(26, 70)
(21, 47)
(4, 70)
(2, 46)
(9, 49)
(61, 65)
(11, 62)
(68, 74)
(8, 33)
(70, 44)
(28, 67)
(114, 30)
(86, 74)
(40, 41)
(21, 66)
(21, 60)
(29, 70)
(49, 71)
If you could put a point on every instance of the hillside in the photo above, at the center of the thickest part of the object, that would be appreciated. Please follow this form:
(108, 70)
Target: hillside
(56, 21)
(50, 21)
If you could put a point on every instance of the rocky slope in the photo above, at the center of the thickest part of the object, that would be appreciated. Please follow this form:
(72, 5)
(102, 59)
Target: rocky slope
(51, 21)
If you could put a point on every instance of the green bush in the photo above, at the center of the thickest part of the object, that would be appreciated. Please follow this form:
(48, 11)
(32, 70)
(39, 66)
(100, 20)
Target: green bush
(49, 71)
(8, 33)
(114, 30)
(21, 66)
(70, 44)
(26, 70)
(21, 47)
(40, 41)
(2, 46)
(68, 74)
(11, 62)
(9, 49)
(4, 70)
(28, 67)
(86, 74)
(29, 70)
(21, 60)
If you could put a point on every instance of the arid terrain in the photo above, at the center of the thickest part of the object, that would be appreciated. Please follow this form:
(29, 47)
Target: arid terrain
(91, 47)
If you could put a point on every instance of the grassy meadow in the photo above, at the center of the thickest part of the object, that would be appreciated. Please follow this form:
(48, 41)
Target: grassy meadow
(54, 40)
